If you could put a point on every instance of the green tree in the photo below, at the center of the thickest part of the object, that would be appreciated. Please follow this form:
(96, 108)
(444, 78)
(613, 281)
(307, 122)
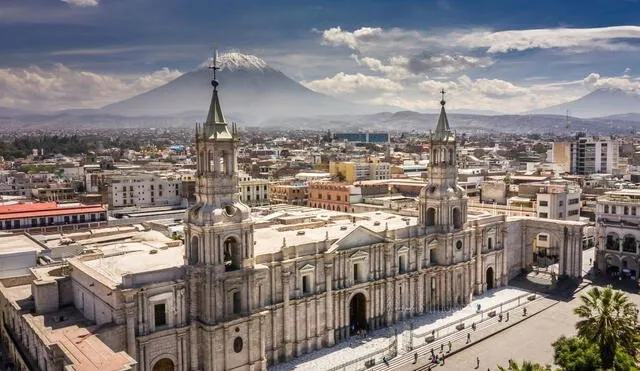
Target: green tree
(575, 354)
(524, 366)
(608, 320)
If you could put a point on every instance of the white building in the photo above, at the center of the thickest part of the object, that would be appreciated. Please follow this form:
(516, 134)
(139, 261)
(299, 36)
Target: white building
(594, 155)
(144, 190)
(618, 224)
(253, 192)
(559, 201)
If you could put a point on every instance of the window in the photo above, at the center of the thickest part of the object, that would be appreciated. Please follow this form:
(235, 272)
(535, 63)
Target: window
(560, 215)
(560, 203)
(160, 315)
(490, 243)
(543, 237)
(544, 215)
(606, 209)
(34, 222)
(402, 264)
(572, 212)
(613, 209)
(237, 304)
(543, 203)
(306, 284)
(574, 201)
(626, 210)
(338, 198)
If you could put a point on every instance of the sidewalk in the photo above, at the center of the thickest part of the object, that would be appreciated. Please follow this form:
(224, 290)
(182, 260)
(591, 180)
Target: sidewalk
(459, 340)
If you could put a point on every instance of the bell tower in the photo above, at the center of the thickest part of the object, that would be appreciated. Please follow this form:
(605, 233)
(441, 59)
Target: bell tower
(443, 203)
(219, 229)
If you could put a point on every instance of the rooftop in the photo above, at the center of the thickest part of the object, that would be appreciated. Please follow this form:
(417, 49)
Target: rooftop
(16, 243)
(44, 209)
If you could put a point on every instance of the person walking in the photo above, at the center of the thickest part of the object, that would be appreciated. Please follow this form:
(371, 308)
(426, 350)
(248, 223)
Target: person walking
(384, 359)
(441, 347)
(524, 311)
(449, 347)
(468, 337)
(477, 362)
(415, 358)
(473, 326)
(507, 317)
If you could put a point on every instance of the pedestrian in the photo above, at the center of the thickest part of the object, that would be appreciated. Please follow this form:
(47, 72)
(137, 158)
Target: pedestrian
(500, 317)
(477, 362)
(468, 337)
(415, 358)
(524, 311)
(507, 317)
(441, 347)
(443, 359)
(384, 359)
(473, 326)
(433, 354)
(449, 347)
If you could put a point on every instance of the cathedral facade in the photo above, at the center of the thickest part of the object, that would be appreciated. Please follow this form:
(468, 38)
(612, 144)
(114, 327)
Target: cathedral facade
(251, 298)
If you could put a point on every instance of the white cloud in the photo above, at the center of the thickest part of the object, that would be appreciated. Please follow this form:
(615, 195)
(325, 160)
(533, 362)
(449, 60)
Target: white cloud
(572, 39)
(594, 81)
(62, 88)
(356, 86)
(81, 3)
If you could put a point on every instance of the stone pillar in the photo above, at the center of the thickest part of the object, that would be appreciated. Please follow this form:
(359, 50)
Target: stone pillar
(328, 282)
(505, 275)
(286, 321)
(130, 317)
(193, 316)
(419, 282)
(478, 281)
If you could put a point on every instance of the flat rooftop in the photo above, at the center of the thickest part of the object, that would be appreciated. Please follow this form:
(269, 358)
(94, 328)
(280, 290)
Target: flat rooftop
(143, 260)
(16, 243)
(270, 239)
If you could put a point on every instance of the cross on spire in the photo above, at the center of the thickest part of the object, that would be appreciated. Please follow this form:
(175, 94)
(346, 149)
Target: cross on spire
(215, 68)
(442, 102)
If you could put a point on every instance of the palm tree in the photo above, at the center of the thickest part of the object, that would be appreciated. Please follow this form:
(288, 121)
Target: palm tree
(609, 320)
(525, 366)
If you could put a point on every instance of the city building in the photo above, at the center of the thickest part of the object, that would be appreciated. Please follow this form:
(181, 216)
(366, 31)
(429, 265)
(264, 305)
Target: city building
(293, 194)
(555, 199)
(591, 155)
(350, 171)
(618, 231)
(379, 138)
(49, 215)
(253, 191)
(561, 155)
(333, 196)
(144, 190)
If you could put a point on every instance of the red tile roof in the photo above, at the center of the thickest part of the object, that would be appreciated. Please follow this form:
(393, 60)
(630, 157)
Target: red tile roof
(44, 209)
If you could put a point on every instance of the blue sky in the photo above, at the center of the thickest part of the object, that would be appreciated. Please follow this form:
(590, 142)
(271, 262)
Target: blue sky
(496, 55)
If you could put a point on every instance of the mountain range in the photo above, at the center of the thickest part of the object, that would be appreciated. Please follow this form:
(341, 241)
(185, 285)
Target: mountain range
(599, 103)
(253, 93)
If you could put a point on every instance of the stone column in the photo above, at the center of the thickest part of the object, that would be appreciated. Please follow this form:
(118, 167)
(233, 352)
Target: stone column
(478, 281)
(328, 283)
(193, 316)
(286, 321)
(419, 284)
(505, 268)
(130, 317)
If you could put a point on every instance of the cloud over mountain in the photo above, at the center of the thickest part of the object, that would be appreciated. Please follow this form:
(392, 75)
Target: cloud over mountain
(60, 87)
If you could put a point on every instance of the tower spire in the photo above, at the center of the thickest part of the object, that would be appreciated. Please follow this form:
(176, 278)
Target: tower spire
(215, 115)
(442, 128)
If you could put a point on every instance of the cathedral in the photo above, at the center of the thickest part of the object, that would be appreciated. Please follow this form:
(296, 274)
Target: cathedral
(258, 296)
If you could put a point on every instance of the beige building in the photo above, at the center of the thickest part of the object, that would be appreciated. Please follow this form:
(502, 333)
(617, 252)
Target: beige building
(618, 231)
(248, 295)
(253, 192)
(351, 171)
(144, 190)
(561, 155)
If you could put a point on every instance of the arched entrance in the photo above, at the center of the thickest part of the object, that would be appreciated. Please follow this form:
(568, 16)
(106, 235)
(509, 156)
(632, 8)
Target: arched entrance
(164, 364)
(358, 313)
(489, 278)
